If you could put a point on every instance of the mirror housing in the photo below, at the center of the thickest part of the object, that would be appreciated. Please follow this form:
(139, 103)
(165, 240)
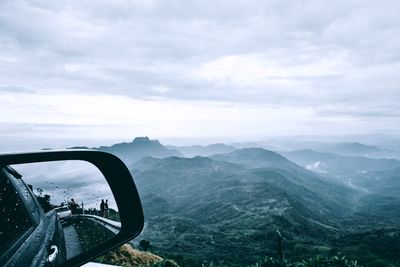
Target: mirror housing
(121, 184)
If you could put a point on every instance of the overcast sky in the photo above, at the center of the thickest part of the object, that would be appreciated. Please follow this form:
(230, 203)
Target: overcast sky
(113, 69)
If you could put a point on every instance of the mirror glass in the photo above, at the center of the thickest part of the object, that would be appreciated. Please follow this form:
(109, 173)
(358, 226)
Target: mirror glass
(70, 200)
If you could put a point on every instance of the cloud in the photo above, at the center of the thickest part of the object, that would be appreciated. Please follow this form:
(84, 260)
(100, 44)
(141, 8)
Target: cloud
(63, 180)
(339, 59)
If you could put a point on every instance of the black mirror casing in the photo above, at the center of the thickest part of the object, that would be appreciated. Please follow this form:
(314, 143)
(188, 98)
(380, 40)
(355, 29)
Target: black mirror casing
(120, 181)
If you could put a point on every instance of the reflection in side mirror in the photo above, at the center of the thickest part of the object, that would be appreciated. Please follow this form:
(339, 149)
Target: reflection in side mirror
(52, 212)
(69, 202)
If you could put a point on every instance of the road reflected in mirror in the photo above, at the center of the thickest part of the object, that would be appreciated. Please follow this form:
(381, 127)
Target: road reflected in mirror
(70, 200)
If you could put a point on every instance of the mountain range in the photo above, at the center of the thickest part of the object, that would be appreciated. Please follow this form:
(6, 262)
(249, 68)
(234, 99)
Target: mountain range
(204, 151)
(140, 147)
(208, 209)
(330, 163)
(350, 149)
(226, 207)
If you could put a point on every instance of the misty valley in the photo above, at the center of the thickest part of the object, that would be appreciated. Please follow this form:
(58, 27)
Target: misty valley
(234, 205)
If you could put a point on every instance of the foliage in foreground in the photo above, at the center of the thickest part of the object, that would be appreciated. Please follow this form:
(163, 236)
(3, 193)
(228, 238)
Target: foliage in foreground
(318, 261)
(126, 255)
(163, 263)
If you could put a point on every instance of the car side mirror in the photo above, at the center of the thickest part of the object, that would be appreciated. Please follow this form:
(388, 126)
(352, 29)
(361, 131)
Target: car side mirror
(55, 201)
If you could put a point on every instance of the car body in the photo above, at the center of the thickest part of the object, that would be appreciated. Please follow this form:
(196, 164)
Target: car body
(28, 235)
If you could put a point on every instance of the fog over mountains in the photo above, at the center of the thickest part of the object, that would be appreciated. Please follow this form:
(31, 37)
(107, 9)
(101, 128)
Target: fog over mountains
(205, 151)
(224, 203)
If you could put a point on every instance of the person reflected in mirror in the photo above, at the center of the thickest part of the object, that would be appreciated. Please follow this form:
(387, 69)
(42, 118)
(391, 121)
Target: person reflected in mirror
(73, 206)
(102, 208)
(106, 209)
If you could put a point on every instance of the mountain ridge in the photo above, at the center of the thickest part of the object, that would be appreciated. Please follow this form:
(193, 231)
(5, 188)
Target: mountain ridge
(228, 206)
(204, 151)
(139, 147)
(200, 198)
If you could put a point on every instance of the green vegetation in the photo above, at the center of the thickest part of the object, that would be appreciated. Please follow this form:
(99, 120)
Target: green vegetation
(144, 245)
(90, 233)
(113, 215)
(202, 210)
(127, 256)
(163, 263)
(43, 199)
(317, 261)
(224, 210)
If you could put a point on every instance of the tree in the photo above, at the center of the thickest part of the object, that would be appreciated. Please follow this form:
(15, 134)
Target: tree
(44, 202)
(144, 245)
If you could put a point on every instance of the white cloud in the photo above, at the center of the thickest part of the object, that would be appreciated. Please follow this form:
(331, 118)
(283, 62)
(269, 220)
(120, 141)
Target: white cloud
(104, 116)
(173, 61)
(259, 69)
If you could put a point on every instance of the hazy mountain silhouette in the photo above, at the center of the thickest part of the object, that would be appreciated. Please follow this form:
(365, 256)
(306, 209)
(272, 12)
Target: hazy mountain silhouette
(78, 147)
(348, 148)
(204, 151)
(337, 164)
(140, 147)
(256, 158)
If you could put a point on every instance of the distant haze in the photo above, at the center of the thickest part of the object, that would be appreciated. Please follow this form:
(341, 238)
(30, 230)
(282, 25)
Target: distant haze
(97, 73)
